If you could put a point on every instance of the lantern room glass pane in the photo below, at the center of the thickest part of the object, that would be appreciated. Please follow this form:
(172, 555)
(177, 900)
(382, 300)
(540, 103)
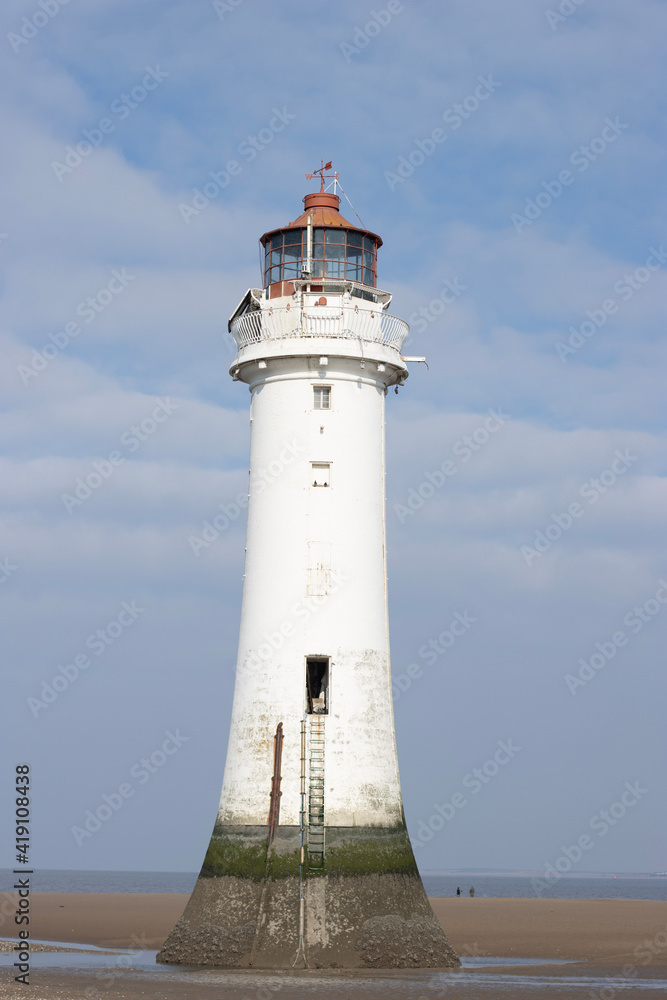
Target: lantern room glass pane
(368, 276)
(354, 239)
(293, 236)
(276, 241)
(291, 271)
(317, 268)
(353, 255)
(318, 250)
(335, 252)
(334, 268)
(292, 253)
(353, 273)
(335, 236)
(274, 274)
(276, 256)
(369, 244)
(368, 259)
(318, 236)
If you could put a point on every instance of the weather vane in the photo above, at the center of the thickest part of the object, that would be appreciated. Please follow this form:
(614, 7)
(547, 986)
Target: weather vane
(321, 174)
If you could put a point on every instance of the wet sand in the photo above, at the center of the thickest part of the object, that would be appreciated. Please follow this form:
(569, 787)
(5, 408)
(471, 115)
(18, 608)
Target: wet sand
(108, 920)
(617, 947)
(601, 930)
(589, 930)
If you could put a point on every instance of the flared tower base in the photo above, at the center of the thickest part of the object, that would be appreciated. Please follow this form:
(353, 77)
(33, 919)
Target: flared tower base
(361, 906)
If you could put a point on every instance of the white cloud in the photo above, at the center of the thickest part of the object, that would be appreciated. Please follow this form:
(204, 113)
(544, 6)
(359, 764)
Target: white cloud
(492, 348)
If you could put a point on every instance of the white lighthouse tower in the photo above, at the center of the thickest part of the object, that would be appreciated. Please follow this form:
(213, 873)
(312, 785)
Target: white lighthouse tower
(310, 863)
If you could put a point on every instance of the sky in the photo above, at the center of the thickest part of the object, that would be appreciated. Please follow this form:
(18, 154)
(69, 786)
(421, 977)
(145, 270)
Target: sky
(512, 158)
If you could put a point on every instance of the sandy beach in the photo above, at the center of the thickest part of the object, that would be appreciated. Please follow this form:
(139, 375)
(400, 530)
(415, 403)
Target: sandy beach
(621, 942)
(599, 930)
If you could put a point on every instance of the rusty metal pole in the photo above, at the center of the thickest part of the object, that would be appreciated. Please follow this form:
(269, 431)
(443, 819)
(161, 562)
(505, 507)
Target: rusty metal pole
(274, 807)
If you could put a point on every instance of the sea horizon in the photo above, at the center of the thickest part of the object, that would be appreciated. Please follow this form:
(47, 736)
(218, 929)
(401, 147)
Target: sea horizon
(438, 883)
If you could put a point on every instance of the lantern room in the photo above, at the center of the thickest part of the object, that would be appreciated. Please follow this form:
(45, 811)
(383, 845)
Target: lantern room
(320, 244)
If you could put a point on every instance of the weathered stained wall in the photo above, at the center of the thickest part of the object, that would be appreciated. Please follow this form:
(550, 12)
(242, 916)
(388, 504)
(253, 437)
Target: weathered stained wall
(365, 909)
(349, 624)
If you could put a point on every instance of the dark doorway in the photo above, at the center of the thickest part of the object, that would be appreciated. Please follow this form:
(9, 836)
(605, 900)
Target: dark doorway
(317, 684)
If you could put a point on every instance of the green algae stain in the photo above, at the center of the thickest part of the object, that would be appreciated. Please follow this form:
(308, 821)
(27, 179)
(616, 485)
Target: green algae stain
(240, 859)
(283, 865)
(369, 855)
(366, 852)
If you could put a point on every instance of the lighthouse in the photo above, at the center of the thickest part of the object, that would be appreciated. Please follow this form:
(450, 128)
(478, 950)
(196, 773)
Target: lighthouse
(310, 863)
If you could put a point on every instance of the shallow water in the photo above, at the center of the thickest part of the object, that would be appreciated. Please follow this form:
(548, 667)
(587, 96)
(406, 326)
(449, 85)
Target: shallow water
(510, 978)
(92, 957)
(527, 887)
(491, 886)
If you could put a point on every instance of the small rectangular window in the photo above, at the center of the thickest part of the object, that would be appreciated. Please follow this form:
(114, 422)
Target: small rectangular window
(321, 397)
(320, 473)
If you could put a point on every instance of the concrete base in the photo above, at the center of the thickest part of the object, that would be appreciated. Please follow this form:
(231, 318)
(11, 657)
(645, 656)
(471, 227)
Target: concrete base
(365, 908)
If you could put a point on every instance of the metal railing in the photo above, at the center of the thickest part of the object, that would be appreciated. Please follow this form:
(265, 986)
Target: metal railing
(373, 326)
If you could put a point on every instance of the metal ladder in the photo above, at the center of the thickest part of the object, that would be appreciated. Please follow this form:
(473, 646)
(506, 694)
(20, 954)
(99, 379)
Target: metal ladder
(316, 793)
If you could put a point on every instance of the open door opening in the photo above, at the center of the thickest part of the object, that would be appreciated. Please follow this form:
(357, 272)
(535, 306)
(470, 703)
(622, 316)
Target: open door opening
(317, 684)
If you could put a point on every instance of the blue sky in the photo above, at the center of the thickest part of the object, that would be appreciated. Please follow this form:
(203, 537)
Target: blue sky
(531, 215)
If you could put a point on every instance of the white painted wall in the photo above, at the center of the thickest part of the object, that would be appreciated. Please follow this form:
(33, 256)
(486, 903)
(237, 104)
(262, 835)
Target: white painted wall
(280, 623)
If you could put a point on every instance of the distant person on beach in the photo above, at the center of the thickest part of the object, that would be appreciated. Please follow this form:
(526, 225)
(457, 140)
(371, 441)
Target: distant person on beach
(472, 891)
(458, 891)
